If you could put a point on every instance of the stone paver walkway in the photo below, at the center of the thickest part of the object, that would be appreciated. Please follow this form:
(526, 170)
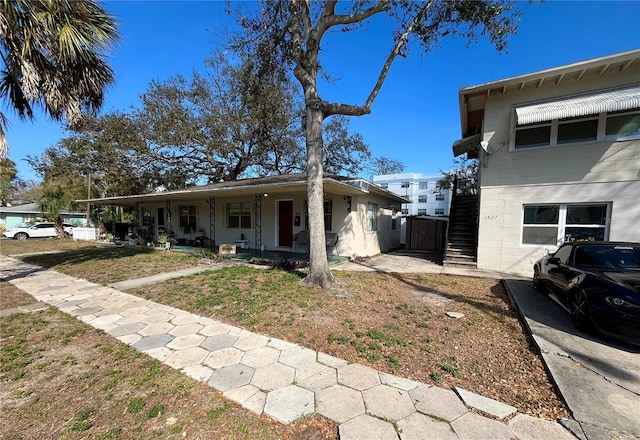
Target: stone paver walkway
(277, 378)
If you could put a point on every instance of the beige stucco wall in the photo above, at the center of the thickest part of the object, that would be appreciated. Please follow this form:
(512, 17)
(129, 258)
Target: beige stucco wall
(354, 236)
(574, 173)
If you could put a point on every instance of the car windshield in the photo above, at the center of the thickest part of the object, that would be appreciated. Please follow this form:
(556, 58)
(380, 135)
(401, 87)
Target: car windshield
(611, 257)
(23, 225)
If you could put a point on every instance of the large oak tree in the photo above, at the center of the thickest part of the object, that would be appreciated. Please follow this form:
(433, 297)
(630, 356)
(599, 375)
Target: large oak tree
(289, 36)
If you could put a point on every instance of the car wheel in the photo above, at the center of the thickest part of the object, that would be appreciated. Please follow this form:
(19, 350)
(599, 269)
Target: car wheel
(581, 312)
(536, 280)
(21, 236)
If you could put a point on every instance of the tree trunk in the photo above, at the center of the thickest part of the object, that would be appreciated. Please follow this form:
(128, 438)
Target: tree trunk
(59, 227)
(319, 273)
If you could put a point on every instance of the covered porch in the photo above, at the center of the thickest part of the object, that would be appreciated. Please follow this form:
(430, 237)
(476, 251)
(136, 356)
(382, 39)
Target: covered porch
(264, 214)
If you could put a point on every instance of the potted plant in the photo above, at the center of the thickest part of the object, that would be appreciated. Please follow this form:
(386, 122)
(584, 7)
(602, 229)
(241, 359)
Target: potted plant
(162, 239)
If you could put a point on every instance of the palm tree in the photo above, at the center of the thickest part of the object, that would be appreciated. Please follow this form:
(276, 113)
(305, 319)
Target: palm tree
(54, 56)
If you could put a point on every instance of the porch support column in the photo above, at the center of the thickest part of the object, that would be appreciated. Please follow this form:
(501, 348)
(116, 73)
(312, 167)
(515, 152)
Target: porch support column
(137, 217)
(167, 215)
(258, 221)
(212, 220)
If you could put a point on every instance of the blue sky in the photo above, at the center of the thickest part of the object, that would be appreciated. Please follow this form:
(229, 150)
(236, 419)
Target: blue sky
(415, 119)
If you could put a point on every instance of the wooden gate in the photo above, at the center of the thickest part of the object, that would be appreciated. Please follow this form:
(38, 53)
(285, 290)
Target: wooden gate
(424, 234)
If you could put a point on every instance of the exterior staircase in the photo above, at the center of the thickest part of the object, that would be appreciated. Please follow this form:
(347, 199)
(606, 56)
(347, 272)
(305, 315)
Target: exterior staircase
(462, 234)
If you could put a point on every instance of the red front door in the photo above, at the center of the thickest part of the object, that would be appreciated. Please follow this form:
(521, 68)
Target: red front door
(285, 223)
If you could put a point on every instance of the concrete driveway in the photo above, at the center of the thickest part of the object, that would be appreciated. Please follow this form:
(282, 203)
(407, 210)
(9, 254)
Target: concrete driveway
(597, 377)
(407, 261)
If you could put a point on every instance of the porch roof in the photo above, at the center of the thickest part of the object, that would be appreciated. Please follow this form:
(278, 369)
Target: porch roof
(340, 185)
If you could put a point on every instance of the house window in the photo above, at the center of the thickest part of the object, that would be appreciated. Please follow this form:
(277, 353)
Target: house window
(404, 185)
(422, 199)
(439, 197)
(394, 223)
(384, 185)
(372, 216)
(187, 219)
(577, 130)
(554, 224)
(423, 185)
(405, 211)
(328, 215)
(622, 125)
(239, 215)
(439, 211)
(597, 127)
(147, 220)
(533, 135)
(422, 212)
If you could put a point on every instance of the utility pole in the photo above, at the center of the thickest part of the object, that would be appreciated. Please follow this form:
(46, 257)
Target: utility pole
(88, 197)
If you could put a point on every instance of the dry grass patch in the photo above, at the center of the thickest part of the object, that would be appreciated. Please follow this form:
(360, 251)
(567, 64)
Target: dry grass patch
(62, 379)
(394, 323)
(110, 264)
(12, 297)
(15, 247)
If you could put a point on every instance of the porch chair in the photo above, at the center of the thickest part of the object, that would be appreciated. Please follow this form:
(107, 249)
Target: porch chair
(331, 239)
(302, 238)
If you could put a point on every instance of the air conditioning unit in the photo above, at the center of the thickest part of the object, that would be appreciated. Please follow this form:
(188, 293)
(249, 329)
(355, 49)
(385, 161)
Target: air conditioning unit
(359, 183)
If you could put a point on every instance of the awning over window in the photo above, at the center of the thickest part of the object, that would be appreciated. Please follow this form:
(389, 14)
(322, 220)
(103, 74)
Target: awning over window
(469, 144)
(583, 105)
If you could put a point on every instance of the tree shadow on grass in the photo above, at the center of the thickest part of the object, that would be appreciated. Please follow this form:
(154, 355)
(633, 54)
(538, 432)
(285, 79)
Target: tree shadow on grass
(84, 255)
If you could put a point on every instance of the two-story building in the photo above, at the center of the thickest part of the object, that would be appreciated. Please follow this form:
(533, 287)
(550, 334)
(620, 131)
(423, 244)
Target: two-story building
(560, 158)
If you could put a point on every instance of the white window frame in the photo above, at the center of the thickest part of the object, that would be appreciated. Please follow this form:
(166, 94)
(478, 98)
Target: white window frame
(439, 211)
(227, 214)
(423, 186)
(562, 221)
(372, 217)
(422, 198)
(422, 211)
(555, 123)
(188, 217)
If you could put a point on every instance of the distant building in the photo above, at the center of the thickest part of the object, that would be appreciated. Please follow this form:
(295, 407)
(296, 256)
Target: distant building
(426, 200)
(12, 216)
(420, 189)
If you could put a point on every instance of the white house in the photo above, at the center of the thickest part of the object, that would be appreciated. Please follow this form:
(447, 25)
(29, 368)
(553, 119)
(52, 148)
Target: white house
(560, 158)
(266, 213)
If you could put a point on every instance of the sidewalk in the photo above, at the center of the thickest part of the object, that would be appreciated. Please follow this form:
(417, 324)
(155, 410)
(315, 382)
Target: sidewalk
(280, 379)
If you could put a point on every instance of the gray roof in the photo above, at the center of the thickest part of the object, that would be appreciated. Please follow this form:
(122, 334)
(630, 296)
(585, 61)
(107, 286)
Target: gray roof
(32, 208)
(271, 184)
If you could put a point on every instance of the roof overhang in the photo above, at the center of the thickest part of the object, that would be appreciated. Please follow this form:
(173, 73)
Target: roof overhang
(251, 187)
(472, 100)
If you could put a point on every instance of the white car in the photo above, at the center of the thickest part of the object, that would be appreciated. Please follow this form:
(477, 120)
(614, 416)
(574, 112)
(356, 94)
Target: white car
(37, 230)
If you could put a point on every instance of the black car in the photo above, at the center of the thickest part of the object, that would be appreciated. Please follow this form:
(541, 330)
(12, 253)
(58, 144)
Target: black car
(599, 282)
